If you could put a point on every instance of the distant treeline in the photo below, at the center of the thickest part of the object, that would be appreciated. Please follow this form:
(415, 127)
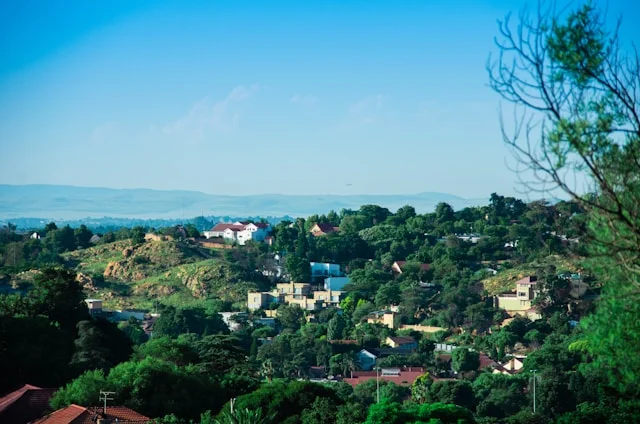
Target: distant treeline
(107, 224)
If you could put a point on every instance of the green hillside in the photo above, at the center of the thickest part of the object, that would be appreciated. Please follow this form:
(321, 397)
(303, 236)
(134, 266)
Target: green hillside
(159, 272)
(504, 280)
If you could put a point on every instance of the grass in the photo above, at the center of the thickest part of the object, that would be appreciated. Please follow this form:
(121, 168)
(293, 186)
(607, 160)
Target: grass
(504, 281)
(166, 272)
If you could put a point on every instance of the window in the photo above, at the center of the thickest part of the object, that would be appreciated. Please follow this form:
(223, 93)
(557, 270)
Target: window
(522, 294)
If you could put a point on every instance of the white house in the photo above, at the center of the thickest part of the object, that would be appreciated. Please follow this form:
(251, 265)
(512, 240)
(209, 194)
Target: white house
(239, 232)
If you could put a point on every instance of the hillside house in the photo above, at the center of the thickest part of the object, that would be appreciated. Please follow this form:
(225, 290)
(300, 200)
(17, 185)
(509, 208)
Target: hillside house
(306, 303)
(321, 229)
(398, 265)
(404, 343)
(520, 302)
(329, 297)
(262, 300)
(366, 360)
(324, 270)
(299, 289)
(386, 318)
(239, 232)
(94, 306)
(512, 366)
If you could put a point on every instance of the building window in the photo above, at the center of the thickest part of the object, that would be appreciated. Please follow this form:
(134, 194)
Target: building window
(522, 294)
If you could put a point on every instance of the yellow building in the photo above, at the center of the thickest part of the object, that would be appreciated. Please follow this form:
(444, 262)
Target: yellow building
(386, 318)
(520, 302)
(294, 288)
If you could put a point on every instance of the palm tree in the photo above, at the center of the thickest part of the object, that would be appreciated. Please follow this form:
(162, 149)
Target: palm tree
(244, 416)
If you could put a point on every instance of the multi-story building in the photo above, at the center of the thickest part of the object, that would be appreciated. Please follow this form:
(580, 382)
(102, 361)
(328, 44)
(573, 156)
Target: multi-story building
(520, 302)
(329, 297)
(261, 300)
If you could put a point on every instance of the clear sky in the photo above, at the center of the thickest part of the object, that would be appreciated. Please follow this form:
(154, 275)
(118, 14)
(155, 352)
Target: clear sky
(248, 97)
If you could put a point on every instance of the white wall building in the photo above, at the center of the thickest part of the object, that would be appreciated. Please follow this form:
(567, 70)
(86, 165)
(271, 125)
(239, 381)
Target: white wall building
(239, 232)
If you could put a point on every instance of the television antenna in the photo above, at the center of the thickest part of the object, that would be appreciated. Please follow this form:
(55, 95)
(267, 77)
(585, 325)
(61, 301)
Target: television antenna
(105, 396)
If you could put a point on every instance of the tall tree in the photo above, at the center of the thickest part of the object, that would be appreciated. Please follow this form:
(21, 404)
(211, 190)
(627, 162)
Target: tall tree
(576, 89)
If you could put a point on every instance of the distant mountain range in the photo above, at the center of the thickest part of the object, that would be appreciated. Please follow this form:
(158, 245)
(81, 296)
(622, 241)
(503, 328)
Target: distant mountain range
(70, 202)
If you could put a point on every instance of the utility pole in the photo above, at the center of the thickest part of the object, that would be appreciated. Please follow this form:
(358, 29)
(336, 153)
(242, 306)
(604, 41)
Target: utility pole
(378, 384)
(534, 390)
(105, 396)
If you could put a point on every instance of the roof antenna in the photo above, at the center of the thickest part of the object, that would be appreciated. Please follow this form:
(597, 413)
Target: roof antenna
(105, 396)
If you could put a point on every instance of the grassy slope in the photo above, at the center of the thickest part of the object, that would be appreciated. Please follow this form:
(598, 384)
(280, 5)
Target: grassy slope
(167, 272)
(504, 281)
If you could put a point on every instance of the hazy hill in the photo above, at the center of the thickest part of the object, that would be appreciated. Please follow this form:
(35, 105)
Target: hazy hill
(70, 202)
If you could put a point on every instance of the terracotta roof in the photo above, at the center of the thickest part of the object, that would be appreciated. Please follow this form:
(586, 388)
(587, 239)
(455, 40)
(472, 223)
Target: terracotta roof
(221, 226)
(322, 228)
(75, 414)
(25, 404)
(400, 340)
(261, 224)
(532, 279)
(405, 377)
(485, 361)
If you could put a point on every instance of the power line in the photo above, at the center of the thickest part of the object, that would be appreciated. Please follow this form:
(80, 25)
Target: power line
(105, 396)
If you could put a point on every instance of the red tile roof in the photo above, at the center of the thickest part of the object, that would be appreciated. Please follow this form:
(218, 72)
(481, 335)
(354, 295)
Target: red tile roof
(322, 228)
(25, 404)
(75, 414)
(406, 377)
(221, 226)
(401, 340)
(485, 361)
(528, 280)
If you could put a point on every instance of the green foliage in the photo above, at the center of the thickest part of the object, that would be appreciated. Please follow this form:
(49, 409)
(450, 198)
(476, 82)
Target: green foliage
(100, 345)
(457, 392)
(298, 268)
(290, 316)
(387, 412)
(176, 321)
(287, 401)
(463, 359)
(336, 327)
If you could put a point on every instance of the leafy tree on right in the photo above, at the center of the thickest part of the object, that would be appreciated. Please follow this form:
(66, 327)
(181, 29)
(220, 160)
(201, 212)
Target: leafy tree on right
(575, 96)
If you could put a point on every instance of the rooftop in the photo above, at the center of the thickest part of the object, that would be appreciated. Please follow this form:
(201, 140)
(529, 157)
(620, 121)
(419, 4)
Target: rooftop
(25, 404)
(76, 414)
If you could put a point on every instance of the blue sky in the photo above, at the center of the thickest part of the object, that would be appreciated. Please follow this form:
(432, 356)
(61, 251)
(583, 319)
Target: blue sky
(247, 97)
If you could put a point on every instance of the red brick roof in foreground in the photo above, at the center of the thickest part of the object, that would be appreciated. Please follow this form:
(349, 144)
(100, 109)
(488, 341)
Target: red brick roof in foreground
(25, 404)
(75, 414)
(405, 377)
